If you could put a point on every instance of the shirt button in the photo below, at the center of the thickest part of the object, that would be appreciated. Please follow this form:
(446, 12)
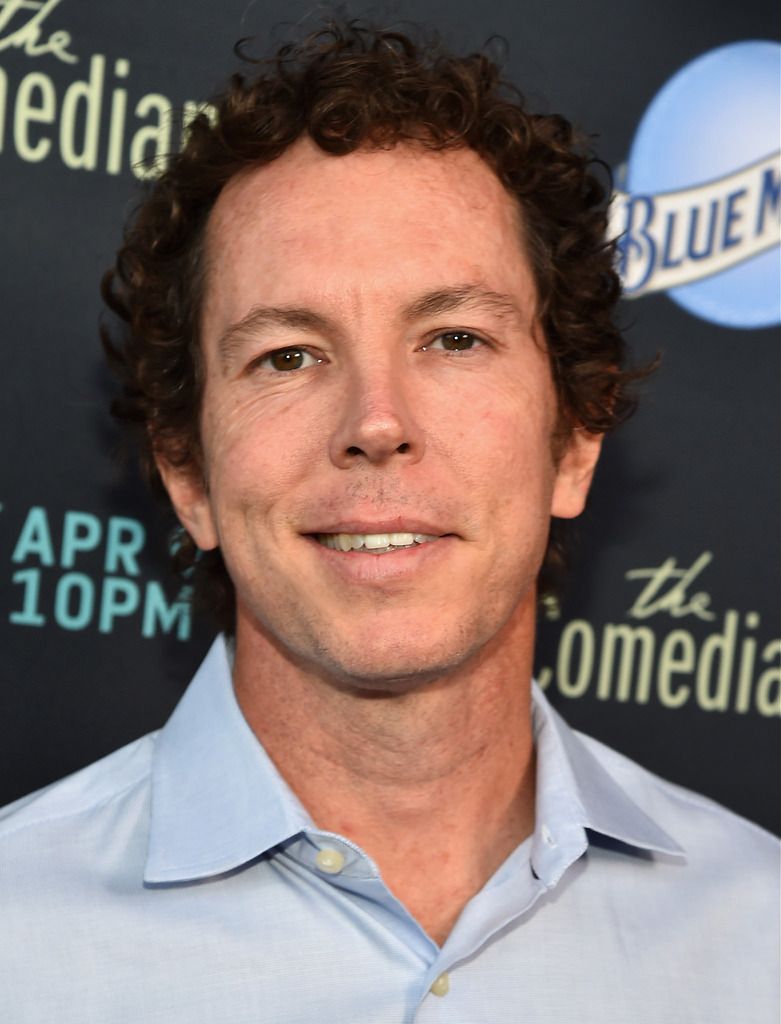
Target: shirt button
(330, 861)
(441, 986)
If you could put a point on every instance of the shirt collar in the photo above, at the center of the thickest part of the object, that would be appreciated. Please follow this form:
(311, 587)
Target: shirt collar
(218, 801)
(575, 792)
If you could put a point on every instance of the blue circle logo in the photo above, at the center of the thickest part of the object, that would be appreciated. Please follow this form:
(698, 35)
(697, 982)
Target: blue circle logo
(700, 214)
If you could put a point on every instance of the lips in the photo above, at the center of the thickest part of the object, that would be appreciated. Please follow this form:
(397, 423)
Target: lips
(362, 527)
(376, 543)
(386, 566)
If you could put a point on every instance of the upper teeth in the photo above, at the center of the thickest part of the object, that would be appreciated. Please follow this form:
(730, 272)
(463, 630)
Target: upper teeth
(376, 542)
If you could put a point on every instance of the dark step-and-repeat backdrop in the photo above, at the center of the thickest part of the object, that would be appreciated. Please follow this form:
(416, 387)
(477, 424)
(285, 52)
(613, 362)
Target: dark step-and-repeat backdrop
(666, 642)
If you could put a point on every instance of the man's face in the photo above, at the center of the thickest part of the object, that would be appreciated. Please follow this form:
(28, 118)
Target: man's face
(375, 376)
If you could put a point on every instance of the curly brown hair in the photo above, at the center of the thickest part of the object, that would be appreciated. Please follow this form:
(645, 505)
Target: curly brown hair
(346, 87)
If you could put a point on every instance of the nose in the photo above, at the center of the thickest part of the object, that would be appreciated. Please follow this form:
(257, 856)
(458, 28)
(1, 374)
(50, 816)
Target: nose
(376, 421)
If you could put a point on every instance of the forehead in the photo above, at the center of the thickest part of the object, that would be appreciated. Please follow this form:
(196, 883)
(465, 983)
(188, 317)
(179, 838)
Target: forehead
(377, 221)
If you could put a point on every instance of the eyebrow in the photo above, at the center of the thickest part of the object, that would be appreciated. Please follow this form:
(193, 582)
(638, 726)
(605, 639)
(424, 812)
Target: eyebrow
(447, 300)
(293, 318)
(301, 318)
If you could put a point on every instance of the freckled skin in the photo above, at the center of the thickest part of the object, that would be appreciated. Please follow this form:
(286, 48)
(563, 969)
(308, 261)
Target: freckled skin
(356, 238)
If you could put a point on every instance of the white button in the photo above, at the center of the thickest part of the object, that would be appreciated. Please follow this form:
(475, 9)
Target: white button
(330, 861)
(441, 986)
(547, 836)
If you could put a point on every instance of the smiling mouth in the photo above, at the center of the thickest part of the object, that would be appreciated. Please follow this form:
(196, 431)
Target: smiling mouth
(376, 543)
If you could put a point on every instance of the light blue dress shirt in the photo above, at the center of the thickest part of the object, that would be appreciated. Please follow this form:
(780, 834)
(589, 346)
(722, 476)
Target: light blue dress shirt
(179, 881)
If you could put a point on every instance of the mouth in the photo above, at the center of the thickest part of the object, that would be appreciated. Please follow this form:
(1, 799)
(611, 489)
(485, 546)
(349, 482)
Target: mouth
(374, 543)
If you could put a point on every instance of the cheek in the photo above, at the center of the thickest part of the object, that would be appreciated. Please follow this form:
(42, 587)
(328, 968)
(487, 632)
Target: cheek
(255, 453)
(506, 441)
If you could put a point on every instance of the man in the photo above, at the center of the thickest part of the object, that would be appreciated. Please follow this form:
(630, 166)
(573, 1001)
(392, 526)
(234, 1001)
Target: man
(370, 356)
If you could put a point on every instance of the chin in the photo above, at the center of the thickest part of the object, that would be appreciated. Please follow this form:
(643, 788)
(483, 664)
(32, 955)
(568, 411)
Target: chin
(391, 653)
(392, 668)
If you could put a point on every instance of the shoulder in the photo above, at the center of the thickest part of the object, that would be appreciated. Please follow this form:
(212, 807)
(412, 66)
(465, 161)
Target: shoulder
(704, 828)
(80, 796)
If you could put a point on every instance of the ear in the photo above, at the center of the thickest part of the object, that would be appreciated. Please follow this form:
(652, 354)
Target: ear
(189, 497)
(575, 472)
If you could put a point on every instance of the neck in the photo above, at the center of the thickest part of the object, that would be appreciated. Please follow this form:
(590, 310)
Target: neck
(434, 782)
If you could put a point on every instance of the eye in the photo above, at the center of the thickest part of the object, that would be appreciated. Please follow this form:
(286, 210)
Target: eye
(285, 359)
(455, 341)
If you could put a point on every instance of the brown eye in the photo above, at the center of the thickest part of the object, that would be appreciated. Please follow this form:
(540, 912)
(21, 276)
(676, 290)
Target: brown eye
(455, 341)
(284, 359)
